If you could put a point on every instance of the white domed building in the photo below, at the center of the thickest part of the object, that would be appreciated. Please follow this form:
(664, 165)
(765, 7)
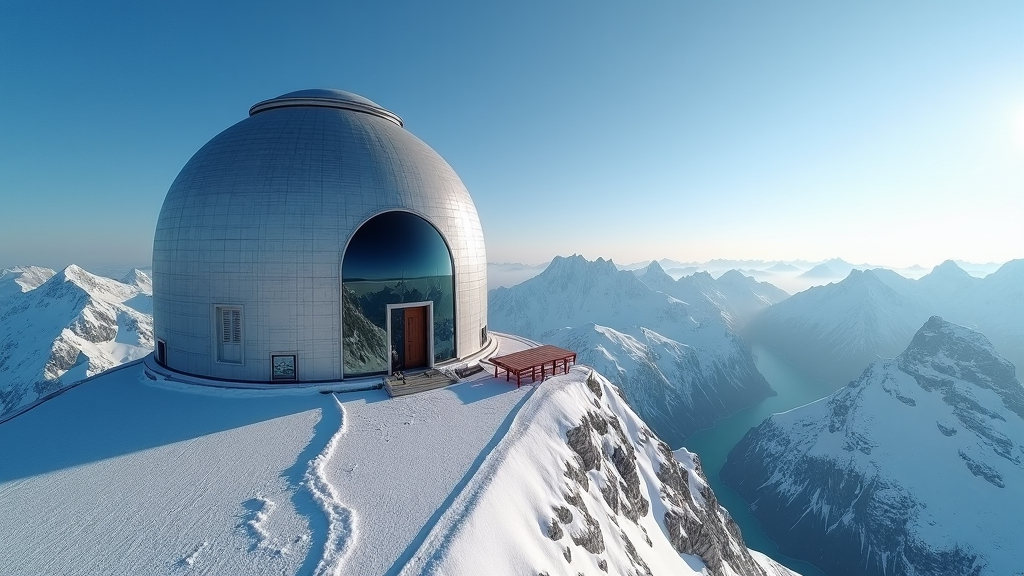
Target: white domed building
(317, 240)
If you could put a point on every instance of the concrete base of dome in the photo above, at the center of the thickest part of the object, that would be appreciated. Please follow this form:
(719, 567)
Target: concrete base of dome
(155, 371)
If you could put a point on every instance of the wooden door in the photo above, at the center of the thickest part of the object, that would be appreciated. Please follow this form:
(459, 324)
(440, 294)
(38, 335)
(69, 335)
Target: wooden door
(415, 337)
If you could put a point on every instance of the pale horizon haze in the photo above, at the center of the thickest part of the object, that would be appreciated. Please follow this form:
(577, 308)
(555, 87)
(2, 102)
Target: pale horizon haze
(877, 132)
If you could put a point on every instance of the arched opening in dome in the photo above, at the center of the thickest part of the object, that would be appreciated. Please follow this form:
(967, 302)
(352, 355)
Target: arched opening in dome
(398, 296)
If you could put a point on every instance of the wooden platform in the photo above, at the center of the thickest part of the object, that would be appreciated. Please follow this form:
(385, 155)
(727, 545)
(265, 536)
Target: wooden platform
(417, 382)
(532, 360)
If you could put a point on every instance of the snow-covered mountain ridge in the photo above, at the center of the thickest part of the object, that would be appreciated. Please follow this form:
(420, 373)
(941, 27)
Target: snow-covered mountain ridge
(561, 478)
(610, 497)
(733, 296)
(679, 365)
(916, 467)
(21, 279)
(72, 325)
(833, 332)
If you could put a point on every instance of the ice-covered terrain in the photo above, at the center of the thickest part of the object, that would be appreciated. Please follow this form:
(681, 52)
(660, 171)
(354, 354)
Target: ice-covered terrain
(128, 473)
(678, 364)
(833, 332)
(70, 326)
(916, 467)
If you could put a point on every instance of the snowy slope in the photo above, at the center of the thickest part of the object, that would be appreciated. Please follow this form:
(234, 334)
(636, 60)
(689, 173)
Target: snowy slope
(915, 468)
(994, 305)
(678, 388)
(679, 364)
(129, 473)
(834, 331)
(580, 484)
(20, 279)
(733, 296)
(71, 326)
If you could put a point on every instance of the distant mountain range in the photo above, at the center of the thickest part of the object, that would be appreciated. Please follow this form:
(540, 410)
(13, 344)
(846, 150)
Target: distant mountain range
(790, 275)
(732, 296)
(678, 362)
(834, 331)
(62, 327)
(916, 467)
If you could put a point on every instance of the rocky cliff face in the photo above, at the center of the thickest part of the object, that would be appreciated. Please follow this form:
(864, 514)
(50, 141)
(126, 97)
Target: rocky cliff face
(585, 487)
(916, 467)
(678, 388)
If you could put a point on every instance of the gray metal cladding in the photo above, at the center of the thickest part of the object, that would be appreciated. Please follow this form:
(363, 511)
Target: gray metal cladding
(260, 217)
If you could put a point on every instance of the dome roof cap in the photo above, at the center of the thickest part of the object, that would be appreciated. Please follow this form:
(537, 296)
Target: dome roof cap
(339, 99)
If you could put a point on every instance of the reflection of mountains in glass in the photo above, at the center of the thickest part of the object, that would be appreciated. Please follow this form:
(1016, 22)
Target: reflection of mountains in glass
(365, 344)
(365, 309)
(374, 296)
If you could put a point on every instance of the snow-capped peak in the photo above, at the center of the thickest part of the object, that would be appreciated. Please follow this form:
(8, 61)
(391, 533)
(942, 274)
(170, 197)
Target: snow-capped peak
(74, 325)
(921, 453)
(942, 350)
(21, 279)
(577, 264)
(950, 268)
(140, 280)
(656, 277)
(76, 279)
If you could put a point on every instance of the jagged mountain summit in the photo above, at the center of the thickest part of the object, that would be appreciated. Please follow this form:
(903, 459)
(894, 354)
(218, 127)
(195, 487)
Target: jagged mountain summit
(916, 467)
(678, 364)
(833, 332)
(140, 280)
(21, 279)
(562, 478)
(733, 295)
(71, 326)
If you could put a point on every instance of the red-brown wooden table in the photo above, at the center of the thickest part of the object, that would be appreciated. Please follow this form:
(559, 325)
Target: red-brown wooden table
(528, 361)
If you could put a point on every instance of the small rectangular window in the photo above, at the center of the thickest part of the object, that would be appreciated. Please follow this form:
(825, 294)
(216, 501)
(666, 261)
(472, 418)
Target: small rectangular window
(161, 352)
(229, 334)
(483, 335)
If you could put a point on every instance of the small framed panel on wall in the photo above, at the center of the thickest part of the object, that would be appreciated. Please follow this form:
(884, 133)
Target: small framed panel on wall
(282, 367)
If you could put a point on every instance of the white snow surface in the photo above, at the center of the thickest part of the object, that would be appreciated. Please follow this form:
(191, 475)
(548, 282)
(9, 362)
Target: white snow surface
(500, 521)
(128, 473)
(21, 279)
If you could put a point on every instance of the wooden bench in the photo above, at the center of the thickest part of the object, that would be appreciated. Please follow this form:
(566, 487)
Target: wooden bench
(529, 361)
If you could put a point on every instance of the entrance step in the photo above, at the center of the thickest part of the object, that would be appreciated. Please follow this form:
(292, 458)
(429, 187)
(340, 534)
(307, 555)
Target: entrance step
(411, 383)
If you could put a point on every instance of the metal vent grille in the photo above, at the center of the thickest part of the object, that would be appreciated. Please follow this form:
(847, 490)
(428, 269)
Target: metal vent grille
(231, 326)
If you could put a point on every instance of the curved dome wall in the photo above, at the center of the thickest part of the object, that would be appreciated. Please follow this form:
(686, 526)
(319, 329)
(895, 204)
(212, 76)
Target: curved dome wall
(248, 251)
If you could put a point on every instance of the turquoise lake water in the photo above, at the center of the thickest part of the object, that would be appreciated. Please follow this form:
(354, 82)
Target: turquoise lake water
(713, 444)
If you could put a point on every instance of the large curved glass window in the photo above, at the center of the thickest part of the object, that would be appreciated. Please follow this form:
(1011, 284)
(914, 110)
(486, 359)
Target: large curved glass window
(396, 259)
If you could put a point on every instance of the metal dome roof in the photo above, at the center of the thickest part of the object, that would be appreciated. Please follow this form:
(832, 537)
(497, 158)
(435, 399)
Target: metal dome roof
(261, 217)
(327, 99)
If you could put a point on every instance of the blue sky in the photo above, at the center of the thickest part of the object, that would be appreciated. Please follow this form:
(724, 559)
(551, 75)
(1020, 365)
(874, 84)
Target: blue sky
(881, 132)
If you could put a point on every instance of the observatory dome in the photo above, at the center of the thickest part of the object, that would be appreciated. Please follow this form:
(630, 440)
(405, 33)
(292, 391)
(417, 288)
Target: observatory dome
(317, 240)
